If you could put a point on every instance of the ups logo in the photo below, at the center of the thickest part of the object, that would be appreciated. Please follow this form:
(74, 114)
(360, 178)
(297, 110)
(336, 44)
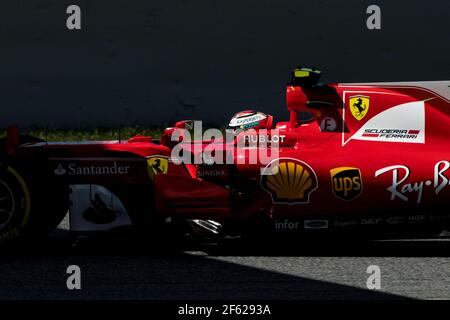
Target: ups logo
(346, 182)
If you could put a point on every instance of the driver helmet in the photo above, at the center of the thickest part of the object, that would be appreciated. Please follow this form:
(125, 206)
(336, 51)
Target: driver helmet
(250, 119)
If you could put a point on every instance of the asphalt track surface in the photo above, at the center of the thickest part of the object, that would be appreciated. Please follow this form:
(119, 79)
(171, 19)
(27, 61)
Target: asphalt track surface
(118, 269)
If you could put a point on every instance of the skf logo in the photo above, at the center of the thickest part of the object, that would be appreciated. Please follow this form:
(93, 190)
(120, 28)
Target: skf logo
(359, 106)
(289, 181)
(157, 165)
(346, 183)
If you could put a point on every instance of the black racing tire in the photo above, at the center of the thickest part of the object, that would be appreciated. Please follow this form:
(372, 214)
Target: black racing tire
(15, 204)
(28, 212)
(31, 208)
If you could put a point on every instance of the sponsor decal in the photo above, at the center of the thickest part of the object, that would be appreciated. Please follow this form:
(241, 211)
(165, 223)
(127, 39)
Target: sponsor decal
(346, 183)
(328, 124)
(316, 224)
(74, 169)
(391, 134)
(380, 221)
(439, 217)
(400, 123)
(289, 181)
(401, 188)
(371, 221)
(395, 220)
(287, 225)
(345, 223)
(210, 172)
(359, 106)
(251, 138)
(419, 218)
(60, 171)
(247, 120)
(157, 165)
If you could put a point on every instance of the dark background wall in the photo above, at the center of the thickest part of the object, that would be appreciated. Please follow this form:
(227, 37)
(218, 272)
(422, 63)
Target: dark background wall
(155, 61)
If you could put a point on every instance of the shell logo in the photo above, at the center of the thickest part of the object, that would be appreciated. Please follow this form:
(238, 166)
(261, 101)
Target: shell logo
(289, 181)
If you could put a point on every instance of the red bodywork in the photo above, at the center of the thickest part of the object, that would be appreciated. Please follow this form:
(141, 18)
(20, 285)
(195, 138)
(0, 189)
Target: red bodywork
(367, 154)
(387, 163)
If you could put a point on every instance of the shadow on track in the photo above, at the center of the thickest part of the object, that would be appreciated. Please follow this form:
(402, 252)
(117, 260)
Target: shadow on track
(113, 271)
(129, 243)
(121, 268)
(438, 247)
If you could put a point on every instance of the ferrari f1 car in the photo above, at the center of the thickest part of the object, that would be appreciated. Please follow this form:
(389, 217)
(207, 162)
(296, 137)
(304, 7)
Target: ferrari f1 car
(371, 158)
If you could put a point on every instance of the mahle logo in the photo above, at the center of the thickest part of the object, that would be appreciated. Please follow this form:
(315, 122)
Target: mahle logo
(346, 183)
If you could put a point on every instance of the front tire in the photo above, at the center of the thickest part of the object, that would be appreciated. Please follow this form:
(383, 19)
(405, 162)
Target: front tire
(31, 205)
(15, 204)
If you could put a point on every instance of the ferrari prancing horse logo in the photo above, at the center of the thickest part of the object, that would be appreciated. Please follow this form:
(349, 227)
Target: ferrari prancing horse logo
(157, 165)
(359, 106)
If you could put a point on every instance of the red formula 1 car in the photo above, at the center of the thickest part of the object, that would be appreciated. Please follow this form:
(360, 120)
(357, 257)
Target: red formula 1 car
(369, 158)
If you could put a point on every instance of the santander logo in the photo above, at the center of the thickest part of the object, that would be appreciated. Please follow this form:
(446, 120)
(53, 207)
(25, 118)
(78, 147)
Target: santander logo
(74, 169)
(59, 171)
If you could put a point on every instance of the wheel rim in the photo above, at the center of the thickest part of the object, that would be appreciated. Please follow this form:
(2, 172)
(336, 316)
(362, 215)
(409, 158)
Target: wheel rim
(7, 204)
